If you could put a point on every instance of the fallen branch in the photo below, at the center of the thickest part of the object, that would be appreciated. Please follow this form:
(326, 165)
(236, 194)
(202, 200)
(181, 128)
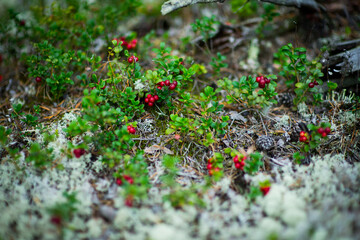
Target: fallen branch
(173, 5)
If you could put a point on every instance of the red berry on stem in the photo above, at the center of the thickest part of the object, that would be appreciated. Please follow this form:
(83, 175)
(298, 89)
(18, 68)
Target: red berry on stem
(130, 59)
(156, 97)
(267, 80)
(129, 201)
(324, 134)
(79, 152)
(209, 166)
(38, 79)
(265, 190)
(217, 169)
(237, 165)
(149, 96)
(311, 85)
(150, 104)
(118, 182)
(167, 83)
(135, 59)
(132, 130)
(146, 100)
(258, 79)
(162, 84)
(172, 87)
(211, 172)
(236, 159)
(159, 87)
(320, 130)
(1, 78)
(152, 99)
(327, 130)
(175, 83)
(316, 83)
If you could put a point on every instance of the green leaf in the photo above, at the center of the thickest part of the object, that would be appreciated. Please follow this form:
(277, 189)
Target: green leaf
(299, 85)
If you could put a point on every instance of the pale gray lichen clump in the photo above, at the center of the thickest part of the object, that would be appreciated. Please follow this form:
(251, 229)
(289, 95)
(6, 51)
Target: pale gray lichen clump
(319, 201)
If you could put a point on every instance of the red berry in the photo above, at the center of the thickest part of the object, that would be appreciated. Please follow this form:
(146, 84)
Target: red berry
(182, 63)
(237, 165)
(55, 220)
(129, 201)
(302, 134)
(311, 85)
(327, 130)
(265, 190)
(303, 139)
(135, 59)
(79, 152)
(129, 127)
(244, 158)
(146, 100)
(130, 59)
(172, 87)
(236, 159)
(156, 97)
(132, 130)
(320, 130)
(167, 83)
(152, 99)
(22, 22)
(162, 84)
(316, 83)
(149, 96)
(261, 85)
(324, 134)
(209, 160)
(38, 79)
(209, 166)
(267, 81)
(159, 87)
(118, 182)
(211, 172)
(150, 104)
(1, 78)
(258, 79)
(217, 169)
(175, 83)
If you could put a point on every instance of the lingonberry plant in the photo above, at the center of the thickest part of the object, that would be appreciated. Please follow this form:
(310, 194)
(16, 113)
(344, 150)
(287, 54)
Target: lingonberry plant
(311, 140)
(247, 162)
(300, 73)
(245, 93)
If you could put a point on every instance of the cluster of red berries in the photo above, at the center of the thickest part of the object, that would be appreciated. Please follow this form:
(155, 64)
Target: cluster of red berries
(150, 99)
(127, 178)
(79, 152)
(262, 81)
(239, 163)
(324, 131)
(265, 190)
(132, 59)
(304, 137)
(210, 167)
(313, 84)
(131, 129)
(129, 45)
(167, 83)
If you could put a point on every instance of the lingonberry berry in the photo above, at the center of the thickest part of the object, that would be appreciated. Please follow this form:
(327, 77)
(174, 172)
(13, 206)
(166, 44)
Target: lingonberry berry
(258, 79)
(211, 172)
(209, 166)
(311, 85)
(162, 84)
(136, 59)
(1, 78)
(150, 104)
(324, 134)
(303, 139)
(167, 83)
(149, 96)
(159, 87)
(79, 152)
(172, 86)
(118, 182)
(56, 220)
(321, 130)
(38, 79)
(316, 83)
(327, 130)
(265, 190)
(175, 83)
(237, 165)
(236, 159)
(146, 100)
(152, 99)
(129, 201)
(130, 59)
(156, 97)
(267, 80)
